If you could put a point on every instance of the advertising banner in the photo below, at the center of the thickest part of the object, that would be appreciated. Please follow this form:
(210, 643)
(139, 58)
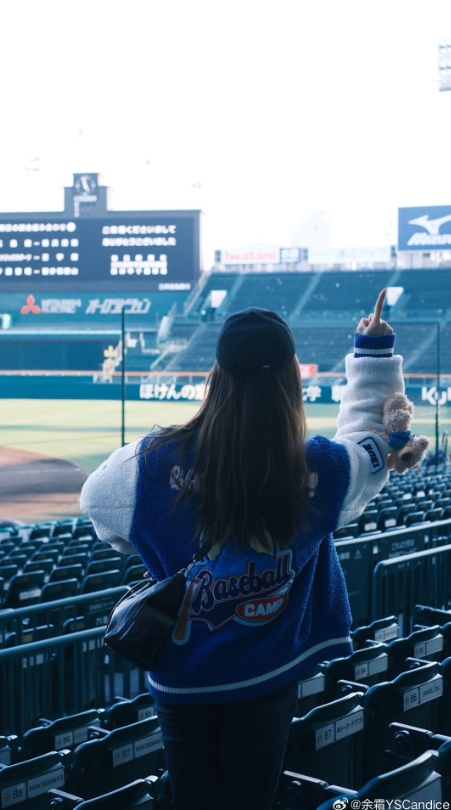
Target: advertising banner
(251, 254)
(424, 229)
(359, 255)
(60, 386)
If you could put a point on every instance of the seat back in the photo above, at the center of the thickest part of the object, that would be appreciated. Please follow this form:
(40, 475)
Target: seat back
(122, 756)
(46, 554)
(26, 784)
(350, 530)
(325, 743)
(99, 566)
(126, 712)
(71, 558)
(387, 518)
(97, 582)
(66, 572)
(426, 643)
(368, 521)
(106, 554)
(67, 732)
(45, 565)
(403, 511)
(60, 590)
(134, 573)
(381, 630)
(412, 697)
(368, 666)
(416, 782)
(84, 530)
(24, 590)
(413, 518)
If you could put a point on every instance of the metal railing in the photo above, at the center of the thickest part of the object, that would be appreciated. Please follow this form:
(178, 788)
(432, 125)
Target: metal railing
(61, 676)
(398, 584)
(92, 609)
(369, 595)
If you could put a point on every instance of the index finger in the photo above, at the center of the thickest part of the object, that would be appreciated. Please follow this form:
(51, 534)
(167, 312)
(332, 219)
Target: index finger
(379, 304)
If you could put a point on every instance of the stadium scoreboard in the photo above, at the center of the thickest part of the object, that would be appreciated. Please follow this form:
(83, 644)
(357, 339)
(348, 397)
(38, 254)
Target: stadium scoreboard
(87, 246)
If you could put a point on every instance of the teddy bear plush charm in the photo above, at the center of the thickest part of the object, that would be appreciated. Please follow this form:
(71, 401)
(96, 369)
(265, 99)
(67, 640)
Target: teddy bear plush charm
(407, 449)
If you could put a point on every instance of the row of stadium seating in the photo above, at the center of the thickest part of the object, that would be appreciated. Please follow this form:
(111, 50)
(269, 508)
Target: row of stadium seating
(351, 715)
(48, 562)
(339, 292)
(417, 498)
(310, 301)
(32, 572)
(326, 346)
(349, 728)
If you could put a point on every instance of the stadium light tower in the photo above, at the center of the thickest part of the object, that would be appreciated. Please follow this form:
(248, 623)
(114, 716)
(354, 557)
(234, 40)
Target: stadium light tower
(444, 64)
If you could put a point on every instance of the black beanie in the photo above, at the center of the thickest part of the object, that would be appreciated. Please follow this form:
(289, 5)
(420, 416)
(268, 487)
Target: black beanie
(255, 341)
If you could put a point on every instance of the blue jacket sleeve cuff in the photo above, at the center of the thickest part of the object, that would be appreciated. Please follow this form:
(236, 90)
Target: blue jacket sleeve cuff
(374, 345)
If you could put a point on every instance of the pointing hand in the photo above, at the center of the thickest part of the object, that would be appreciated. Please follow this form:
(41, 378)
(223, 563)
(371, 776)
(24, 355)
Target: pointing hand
(373, 325)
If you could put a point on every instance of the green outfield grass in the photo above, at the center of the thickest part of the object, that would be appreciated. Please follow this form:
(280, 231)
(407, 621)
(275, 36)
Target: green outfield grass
(87, 431)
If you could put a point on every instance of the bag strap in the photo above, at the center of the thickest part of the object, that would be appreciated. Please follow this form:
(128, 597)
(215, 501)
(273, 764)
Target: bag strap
(204, 549)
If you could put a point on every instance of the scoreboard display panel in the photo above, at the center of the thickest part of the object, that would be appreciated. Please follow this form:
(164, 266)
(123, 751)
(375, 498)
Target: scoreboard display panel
(132, 249)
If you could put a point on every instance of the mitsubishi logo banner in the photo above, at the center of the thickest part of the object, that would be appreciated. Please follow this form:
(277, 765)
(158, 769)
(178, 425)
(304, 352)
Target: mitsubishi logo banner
(424, 229)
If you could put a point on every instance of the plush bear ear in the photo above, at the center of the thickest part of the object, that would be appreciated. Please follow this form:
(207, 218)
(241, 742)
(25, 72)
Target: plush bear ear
(405, 454)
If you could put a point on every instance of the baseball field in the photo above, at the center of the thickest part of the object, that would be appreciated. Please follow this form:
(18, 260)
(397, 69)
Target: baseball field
(48, 447)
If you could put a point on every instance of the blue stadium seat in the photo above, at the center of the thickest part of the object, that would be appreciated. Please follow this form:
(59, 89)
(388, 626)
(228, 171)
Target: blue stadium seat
(426, 644)
(418, 781)
(350, 530)
(368, 666)
(403, 511)
(62, 589)
(101, 566)
(137, 795)
(48, 553)
(98, 582)
(413, 518)
(67, 733)
(326, 742)
(45, 565)
(71, 558)
(415, 780)
(106, 554)
(125, 712)
(368, 521)
(381, 630)
(66, 572)
(24, 590)
(413, 697)
(120, 757)
(387, 518)
(133, 574)
(26, 784)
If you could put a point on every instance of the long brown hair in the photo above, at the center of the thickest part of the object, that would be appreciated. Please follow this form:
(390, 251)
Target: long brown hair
(249, 463)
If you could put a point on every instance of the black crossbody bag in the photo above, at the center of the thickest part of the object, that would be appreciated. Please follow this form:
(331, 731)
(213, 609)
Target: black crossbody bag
(146, 615)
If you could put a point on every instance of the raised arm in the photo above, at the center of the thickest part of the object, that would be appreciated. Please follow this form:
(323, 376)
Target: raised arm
(373, 374)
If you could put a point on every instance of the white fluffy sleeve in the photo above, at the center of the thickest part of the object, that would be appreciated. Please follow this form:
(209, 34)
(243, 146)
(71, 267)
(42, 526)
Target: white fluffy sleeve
(108, 497)
(370, 381)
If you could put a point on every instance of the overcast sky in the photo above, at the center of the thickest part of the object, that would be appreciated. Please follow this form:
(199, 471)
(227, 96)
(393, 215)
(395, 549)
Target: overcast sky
(276, 109)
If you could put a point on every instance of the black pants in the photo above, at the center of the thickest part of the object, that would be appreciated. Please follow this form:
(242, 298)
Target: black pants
(227, 756)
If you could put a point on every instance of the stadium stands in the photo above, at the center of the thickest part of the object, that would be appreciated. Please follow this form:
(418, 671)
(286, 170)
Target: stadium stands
(316, 304)
(321, 308)
(63, 721)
